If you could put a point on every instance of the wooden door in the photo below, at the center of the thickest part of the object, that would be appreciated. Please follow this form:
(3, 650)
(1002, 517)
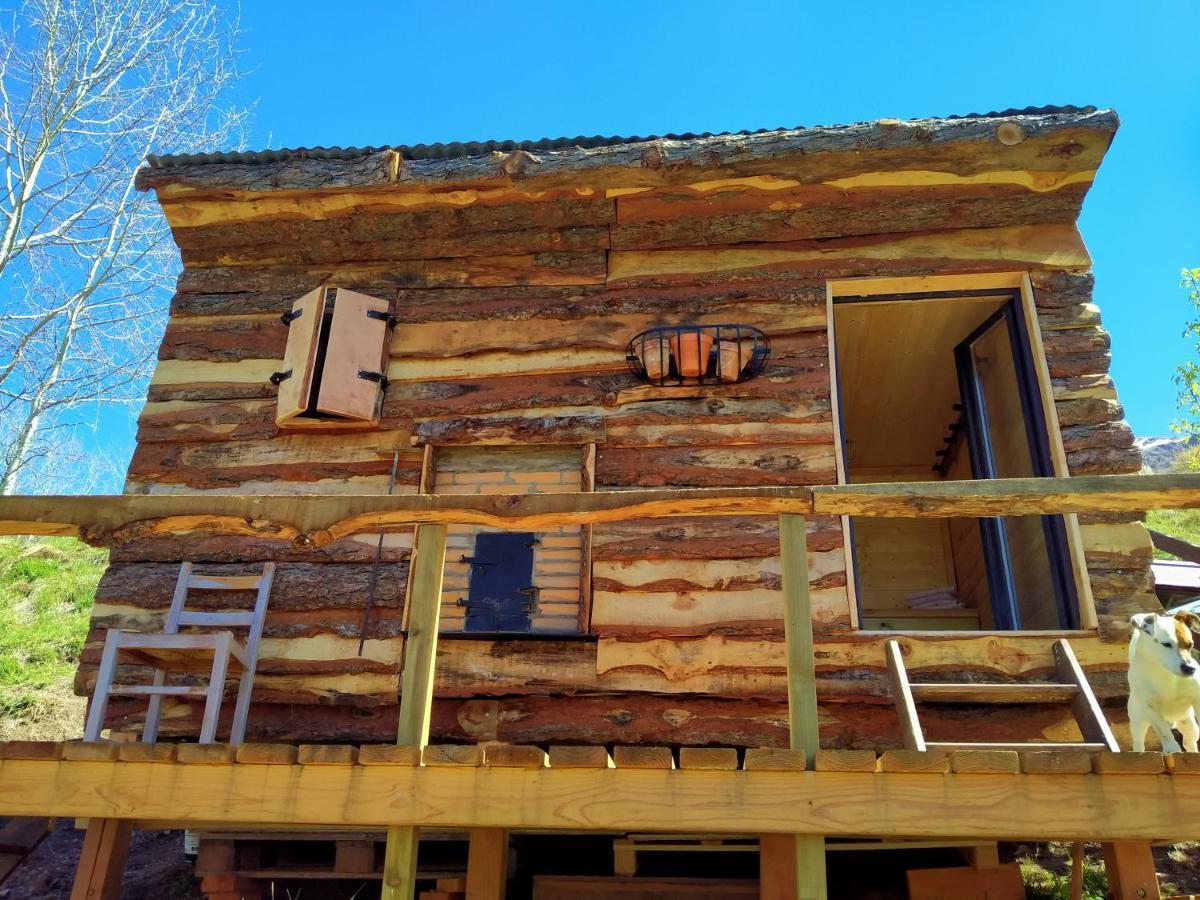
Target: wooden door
(1028, 568)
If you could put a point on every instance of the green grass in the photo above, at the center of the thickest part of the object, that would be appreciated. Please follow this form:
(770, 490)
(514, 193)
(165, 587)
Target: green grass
(46, 591)
(1181, 523)
(1041, 884)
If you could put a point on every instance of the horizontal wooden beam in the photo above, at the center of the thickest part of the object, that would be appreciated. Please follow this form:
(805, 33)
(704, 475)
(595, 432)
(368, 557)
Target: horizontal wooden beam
(1115, 806)
(320, 520)
(1010, 496)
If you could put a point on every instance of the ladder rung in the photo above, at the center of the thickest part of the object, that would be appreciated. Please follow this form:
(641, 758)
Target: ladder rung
(161, 690)
(966, 745)
(994, 693)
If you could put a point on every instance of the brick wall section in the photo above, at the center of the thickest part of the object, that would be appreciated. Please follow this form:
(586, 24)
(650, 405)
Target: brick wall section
(558, 556)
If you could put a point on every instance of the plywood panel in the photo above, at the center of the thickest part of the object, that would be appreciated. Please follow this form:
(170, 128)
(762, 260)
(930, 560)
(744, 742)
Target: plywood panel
(898, 384)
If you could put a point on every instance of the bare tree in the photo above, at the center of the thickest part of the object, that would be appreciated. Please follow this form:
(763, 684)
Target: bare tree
(87, 89)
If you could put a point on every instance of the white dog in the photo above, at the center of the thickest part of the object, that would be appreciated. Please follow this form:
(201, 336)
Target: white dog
(1164, 680)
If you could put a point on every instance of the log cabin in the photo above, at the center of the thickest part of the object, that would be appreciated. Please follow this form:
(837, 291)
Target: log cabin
(509, 328)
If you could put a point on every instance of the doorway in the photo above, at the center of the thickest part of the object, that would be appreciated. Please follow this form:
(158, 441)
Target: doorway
(941, 386)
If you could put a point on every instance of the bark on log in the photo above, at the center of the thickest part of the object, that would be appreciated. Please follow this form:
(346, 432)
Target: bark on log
(1054, 142)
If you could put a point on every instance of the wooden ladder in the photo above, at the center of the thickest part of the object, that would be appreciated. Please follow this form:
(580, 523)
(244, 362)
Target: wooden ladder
(1072, 687)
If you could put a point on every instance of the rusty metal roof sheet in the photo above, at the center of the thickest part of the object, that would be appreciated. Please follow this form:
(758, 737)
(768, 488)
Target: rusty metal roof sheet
(459, 150)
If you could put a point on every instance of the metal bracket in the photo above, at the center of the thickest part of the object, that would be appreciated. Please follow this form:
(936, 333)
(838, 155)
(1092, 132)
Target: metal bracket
(291, 316)
(278, 377)
(474, 561)
(377, 377)
(382, 316)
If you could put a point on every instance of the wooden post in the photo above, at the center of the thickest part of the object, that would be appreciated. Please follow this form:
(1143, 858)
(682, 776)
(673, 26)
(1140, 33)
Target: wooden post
(1129, 866)
(102, 860)
(802, 688)
(416, 694)
(487, 864)
(776, 867)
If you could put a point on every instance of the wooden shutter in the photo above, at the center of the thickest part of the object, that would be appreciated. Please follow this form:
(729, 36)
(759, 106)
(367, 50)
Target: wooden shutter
(501, 596)
(357, 343)
(299, 359)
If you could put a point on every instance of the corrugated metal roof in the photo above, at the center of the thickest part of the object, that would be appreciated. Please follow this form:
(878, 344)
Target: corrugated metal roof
(459, 150)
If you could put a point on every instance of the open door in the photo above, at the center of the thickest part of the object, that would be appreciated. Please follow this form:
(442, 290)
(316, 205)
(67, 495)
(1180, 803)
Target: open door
(1006, 438)
(940, 386)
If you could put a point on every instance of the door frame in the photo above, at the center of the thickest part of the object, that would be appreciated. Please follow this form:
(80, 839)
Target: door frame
(880, 288)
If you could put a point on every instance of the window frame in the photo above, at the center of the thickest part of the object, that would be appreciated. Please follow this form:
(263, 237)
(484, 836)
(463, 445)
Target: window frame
(1018, 281)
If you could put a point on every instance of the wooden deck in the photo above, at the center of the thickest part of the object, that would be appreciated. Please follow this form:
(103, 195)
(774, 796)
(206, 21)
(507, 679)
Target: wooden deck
(989, 794)
(805, 793)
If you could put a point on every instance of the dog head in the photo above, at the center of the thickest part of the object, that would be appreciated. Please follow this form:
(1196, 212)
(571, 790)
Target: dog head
(1170, 639)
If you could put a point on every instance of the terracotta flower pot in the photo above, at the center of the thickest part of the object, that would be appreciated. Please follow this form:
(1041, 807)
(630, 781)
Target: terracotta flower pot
(733, 357)
(655, 354)
(691, 349)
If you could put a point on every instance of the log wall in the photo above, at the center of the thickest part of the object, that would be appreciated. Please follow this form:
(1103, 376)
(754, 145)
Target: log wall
(513, 315)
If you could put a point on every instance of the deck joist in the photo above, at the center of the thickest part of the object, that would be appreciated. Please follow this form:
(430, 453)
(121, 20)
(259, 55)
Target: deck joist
(988, 794)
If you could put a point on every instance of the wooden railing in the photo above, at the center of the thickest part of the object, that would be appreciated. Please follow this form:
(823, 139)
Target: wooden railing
(319, 520)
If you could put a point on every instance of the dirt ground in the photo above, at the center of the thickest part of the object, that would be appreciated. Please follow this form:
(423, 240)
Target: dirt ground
(157, 868)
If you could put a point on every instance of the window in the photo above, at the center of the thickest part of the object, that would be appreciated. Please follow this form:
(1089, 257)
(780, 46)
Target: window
(335, 364)
(944, 385)
(502, 582)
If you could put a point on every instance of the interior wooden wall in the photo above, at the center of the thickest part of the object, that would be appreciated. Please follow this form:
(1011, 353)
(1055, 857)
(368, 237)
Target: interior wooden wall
(513, 320)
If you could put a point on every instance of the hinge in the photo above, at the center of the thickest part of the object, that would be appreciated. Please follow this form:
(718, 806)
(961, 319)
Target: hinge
(291, 316)
(377, 377)
(278, 377)
(382, 316)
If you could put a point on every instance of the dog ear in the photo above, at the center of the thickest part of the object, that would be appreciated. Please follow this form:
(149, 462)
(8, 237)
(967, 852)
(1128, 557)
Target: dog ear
(1144, 622)
(1190, 619)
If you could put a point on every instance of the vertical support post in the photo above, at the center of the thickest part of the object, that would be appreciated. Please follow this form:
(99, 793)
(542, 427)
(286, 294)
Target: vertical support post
(802, 687)
(1129, 866)
(776, 867)
(102, 860)
(487, 864)
(416, 693)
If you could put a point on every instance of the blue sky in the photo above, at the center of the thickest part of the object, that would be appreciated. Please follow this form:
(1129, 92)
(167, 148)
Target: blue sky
(398, 72)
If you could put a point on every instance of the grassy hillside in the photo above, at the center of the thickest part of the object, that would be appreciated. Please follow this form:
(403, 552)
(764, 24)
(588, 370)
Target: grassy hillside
(46, 591)
(1181, 523)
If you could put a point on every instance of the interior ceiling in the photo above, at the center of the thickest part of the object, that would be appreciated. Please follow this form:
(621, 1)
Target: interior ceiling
(897, 377)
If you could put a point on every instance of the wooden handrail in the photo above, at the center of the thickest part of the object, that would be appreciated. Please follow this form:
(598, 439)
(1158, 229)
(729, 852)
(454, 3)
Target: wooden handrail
(320, 520)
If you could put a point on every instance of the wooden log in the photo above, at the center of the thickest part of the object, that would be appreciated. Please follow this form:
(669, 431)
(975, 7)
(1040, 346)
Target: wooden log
(381, 218)
(706, 538)
(296, 586)
(966, 250)
(629, 719)
(325, 246)
(691, 218)
(1055, 142)
(521, 430)
(705, 467)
